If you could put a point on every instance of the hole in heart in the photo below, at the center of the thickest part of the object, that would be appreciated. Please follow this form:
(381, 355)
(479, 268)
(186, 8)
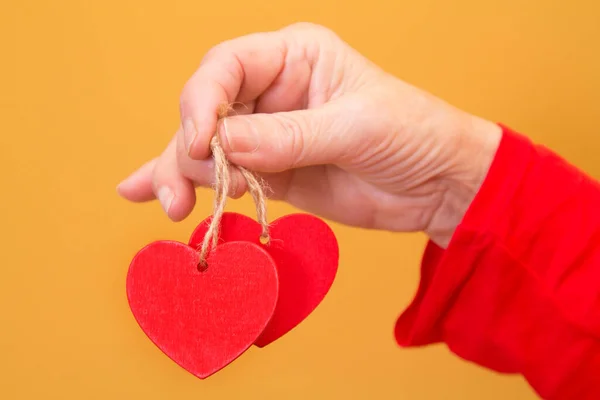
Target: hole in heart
(264, 239)
(202, 265)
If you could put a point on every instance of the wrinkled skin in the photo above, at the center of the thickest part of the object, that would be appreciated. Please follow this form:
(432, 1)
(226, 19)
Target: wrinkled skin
(329, 131)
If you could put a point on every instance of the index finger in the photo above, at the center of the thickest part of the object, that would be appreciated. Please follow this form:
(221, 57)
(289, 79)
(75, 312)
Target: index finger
(236, 70)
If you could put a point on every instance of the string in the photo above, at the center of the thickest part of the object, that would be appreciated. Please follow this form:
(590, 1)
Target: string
(221, 186)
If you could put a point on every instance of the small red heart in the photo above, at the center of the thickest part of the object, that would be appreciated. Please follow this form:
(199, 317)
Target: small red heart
(202, 320)
(306, 253)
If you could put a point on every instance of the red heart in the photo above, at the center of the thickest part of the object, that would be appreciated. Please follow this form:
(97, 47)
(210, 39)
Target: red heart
(306, 253)
(202, 320)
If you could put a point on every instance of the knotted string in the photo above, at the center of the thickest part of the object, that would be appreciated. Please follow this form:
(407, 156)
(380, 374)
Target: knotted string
(221, 186)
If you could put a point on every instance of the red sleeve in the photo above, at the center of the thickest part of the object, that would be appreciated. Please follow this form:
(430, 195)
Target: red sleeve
(518, 288)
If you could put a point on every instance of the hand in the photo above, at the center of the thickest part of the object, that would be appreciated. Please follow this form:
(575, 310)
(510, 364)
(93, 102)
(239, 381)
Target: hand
(330, 132)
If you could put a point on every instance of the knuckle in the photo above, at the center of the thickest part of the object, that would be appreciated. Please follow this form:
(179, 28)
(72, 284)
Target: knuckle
(214, 51)
(223, 62)
(233, 69)
(312, 29)
(293, 136)
(304, 26)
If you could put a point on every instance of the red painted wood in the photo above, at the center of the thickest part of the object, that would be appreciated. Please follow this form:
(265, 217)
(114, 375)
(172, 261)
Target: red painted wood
(202, 320)
(306, 253)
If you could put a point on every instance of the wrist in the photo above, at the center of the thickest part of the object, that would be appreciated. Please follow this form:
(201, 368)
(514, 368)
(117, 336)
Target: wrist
(477, 143)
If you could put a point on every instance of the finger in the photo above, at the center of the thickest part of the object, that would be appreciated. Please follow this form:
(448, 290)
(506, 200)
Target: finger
(202, 172)
(138, 186)
(282, 141)
(174, 191)
(240, 69)
(237, 183)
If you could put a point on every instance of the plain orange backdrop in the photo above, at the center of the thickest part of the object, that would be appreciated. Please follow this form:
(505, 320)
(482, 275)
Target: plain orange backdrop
(89, 90)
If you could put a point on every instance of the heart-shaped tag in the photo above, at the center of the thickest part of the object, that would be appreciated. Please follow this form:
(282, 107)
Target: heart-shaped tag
(306, 253)
(202, 320)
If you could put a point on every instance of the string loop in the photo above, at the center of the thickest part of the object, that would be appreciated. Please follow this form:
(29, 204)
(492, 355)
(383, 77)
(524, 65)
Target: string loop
(223, 171)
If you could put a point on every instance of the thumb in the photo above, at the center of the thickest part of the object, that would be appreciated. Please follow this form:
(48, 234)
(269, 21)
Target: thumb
(281, 141)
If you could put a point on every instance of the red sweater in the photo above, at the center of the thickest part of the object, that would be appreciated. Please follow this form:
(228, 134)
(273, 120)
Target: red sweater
(518, 288)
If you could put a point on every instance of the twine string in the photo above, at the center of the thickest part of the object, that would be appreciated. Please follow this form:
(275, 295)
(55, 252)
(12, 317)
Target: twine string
(223, 171)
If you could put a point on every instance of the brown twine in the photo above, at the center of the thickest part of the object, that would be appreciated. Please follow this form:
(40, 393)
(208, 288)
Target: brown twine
(222, 182)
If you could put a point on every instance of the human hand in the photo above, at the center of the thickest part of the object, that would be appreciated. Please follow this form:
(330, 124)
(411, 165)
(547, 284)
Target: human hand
(330, 132)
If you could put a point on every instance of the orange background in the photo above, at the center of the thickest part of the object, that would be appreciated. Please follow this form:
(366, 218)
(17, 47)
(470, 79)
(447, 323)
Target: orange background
(89, 90)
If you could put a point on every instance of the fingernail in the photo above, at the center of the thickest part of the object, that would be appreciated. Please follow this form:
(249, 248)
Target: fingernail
(189, 133)
(239, 136)
(165, 196)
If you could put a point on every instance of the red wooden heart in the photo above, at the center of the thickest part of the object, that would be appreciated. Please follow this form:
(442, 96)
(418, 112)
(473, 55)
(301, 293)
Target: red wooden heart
(202, 320)
(306, 253)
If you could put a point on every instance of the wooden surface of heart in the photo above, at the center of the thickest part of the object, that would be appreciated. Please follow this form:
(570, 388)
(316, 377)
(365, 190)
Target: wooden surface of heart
(202, 320)
(306, 253)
